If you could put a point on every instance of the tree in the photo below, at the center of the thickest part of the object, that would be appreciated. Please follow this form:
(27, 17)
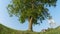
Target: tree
(31, 10)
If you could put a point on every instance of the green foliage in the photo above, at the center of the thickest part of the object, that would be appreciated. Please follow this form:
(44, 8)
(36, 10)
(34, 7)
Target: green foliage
(5, 30)
(24, 9)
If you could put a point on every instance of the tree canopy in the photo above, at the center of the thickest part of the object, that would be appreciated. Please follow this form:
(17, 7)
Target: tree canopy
(25, 9)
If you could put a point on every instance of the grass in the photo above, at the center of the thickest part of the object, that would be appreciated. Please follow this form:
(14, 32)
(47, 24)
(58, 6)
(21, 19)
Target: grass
(5, 30)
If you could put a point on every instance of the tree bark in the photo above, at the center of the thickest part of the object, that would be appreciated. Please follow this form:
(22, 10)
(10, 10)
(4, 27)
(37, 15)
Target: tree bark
(30, 24)
(30, 20)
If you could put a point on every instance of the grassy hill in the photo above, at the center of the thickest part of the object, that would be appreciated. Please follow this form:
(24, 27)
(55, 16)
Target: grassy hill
(5, 30)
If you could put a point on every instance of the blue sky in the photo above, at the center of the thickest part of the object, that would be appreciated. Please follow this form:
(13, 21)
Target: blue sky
(12, 22)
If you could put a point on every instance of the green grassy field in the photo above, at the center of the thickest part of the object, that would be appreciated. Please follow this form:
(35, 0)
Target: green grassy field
(5, 30)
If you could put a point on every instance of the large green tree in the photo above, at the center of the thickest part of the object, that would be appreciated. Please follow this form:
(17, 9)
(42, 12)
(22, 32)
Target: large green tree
(31, 10)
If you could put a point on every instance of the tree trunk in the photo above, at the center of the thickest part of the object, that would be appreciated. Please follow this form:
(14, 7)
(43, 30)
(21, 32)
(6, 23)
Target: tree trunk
(30, 24)
(30, 20)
